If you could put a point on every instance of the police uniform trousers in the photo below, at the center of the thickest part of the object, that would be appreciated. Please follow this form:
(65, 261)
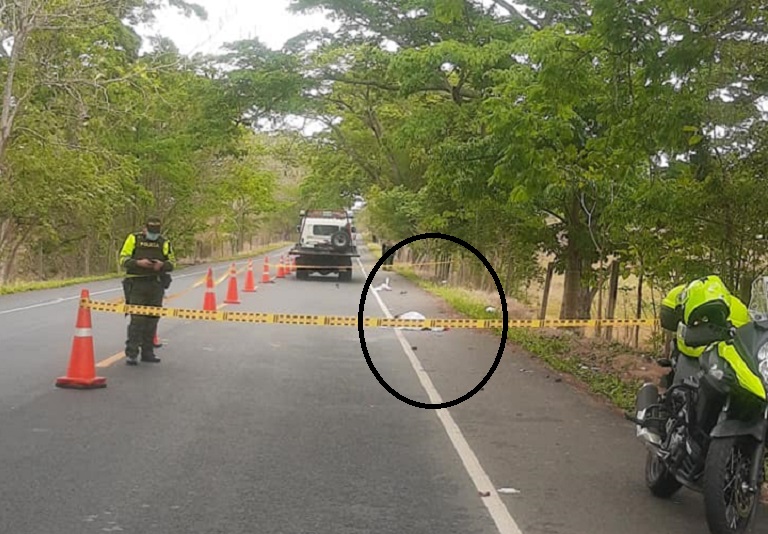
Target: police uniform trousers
(142, 291)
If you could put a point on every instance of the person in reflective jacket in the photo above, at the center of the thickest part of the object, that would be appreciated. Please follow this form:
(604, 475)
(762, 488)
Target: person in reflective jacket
(147, 258)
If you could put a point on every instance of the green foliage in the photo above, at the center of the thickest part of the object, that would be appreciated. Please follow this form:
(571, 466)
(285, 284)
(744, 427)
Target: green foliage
(580, 130)
(95, 136)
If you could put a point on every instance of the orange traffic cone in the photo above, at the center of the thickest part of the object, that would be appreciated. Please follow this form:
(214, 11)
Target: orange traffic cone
(265, 273)
(250, 284)
(232, 297)
(209, 304)
(280, 269)
(156, 342)
(81, 372)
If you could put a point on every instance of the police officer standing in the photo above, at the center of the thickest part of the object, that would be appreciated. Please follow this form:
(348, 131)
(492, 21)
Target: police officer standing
(147, 258)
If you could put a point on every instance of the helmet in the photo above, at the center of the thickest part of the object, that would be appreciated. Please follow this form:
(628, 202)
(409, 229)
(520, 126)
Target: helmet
(706, 300)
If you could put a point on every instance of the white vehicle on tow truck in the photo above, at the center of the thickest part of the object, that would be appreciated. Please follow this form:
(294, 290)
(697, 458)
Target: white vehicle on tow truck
(326, 244)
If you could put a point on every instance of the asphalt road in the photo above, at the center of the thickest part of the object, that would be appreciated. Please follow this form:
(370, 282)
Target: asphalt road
(255, 429)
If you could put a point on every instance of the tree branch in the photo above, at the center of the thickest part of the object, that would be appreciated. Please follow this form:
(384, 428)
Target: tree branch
(445, 88)
(553, 214)
(351, 152)
(515, 13)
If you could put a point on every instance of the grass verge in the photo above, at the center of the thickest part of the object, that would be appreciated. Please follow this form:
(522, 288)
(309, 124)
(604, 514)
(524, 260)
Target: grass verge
(558, 352)
(53, 284)
(21, 287)
(375, 248)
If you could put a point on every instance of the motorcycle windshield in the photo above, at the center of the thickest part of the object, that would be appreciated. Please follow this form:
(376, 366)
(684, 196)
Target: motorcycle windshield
(758, 300)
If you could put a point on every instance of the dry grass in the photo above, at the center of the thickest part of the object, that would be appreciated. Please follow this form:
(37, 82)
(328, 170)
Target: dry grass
(626, 305)
(608, 369)
(24, 286)
(467, 275)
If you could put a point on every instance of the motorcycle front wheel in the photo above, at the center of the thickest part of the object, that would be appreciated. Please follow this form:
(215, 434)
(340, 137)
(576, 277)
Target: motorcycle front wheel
(730, 506)
(658, 478)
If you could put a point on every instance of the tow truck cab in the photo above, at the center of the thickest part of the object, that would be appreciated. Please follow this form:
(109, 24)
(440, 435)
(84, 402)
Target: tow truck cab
(326, 244)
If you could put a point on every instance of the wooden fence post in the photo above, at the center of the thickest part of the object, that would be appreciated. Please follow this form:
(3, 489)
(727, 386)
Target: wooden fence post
(613, 293)
(547, 284)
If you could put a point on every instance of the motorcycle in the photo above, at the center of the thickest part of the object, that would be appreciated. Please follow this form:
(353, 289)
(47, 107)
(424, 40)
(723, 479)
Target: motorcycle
(708, 430)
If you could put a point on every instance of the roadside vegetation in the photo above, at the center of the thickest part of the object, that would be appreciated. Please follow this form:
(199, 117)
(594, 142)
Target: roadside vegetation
(592, 362)
(100, 128)
(20, 287)
(623, 144)
(611, 370)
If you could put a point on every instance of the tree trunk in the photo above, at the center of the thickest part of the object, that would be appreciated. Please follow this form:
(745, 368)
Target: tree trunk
(8, 112)
(613, 293)
(639, 308)
(547, 285)
(573, 291)
(745, 288)
(600, 282)
(578, 253)
(10, 260)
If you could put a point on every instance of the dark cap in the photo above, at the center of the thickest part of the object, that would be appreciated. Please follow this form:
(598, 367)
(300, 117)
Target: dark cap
(153, 223)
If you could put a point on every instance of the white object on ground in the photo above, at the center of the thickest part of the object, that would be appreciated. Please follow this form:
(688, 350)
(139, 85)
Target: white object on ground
(509, 491)
(415, 316)
(384, 286)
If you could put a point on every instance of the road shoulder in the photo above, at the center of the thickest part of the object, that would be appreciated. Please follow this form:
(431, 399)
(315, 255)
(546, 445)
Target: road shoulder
(536, 434)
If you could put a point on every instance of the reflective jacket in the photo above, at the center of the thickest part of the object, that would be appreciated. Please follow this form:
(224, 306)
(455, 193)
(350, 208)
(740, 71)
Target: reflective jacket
(137, 246)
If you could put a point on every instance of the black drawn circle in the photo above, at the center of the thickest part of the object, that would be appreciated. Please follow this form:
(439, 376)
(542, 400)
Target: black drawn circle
(361, 320)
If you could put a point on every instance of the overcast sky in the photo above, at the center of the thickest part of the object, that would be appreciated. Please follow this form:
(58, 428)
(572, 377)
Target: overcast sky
(230, 20)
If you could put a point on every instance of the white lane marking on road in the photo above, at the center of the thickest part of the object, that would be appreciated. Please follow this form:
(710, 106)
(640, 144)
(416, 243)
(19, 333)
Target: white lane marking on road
(497, 509)
(56, 301)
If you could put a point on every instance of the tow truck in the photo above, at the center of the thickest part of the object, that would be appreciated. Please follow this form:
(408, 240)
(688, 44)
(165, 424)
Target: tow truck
(326, 244)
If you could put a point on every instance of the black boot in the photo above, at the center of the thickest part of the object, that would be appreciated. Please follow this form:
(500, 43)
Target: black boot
(133, 342)
(149, 327)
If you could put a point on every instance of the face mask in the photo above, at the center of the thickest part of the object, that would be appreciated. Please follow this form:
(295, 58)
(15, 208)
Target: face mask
(152, 236)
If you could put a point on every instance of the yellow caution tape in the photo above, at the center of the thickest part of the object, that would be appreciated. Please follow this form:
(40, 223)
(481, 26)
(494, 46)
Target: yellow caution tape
(198, 283)
(350, 321)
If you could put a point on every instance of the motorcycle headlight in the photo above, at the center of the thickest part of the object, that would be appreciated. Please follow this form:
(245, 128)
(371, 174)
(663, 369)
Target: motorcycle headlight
(762, 361)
